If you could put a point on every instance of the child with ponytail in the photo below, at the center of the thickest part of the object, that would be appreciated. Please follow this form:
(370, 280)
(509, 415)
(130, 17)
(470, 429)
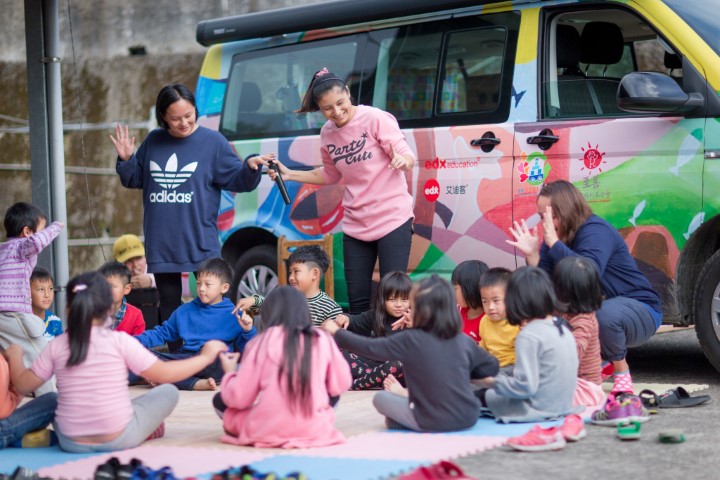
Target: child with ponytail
(91, 363)
(289, 379)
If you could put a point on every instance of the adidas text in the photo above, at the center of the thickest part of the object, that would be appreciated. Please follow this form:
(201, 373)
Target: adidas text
(171, 197)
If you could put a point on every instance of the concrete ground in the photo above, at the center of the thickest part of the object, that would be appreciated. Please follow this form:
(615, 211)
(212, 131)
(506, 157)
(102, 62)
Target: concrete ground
(668, 358)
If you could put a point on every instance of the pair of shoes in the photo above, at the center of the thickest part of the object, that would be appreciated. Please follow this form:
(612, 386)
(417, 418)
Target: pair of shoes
(538, 439)
(114, 470)
(629, 431)
(620, 408)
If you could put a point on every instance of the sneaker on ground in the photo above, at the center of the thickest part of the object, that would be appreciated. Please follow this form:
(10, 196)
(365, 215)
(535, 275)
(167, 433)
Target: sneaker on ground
(612, 414)
(573, 428)
(634, 408)
(538, 439)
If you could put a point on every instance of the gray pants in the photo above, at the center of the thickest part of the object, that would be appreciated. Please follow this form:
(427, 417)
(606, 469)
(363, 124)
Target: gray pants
(396, 408)
(150, 410)
(25, 330)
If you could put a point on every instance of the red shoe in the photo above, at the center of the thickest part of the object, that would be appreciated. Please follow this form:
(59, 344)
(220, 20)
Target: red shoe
(607, 371)
(538, 439)
(573, 428)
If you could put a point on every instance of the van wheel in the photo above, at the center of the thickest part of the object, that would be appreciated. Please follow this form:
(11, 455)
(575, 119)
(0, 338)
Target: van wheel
(255, 272)
(706, 307)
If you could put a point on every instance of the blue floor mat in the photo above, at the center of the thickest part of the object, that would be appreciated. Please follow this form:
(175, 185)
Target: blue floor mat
(36, 458)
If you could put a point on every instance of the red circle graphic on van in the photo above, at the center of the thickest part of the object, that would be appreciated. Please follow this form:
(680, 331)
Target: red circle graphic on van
(432, 190)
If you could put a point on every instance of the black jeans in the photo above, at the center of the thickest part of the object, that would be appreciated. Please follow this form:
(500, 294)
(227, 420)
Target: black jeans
(169, 287)
(392, 251)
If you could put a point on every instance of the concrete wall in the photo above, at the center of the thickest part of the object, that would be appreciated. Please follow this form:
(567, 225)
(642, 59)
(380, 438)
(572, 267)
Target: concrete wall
(102, 83)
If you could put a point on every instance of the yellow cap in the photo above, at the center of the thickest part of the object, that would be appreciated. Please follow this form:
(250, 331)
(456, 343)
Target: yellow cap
(127, 247)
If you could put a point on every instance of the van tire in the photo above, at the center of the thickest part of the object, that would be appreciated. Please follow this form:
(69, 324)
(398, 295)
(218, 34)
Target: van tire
(255, 272)
(706, 310)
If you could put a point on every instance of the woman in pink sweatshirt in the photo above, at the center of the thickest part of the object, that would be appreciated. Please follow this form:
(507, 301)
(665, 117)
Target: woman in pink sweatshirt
(289, 379)
(364, 148)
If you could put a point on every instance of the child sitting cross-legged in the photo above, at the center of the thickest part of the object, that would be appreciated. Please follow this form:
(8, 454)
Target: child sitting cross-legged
(543, 381)
(306, 267)
(290, 377)
(392, 302)
(103, 418)
(208, 317)
(438, 360)
(42, 294)
(126, 318)
(497, 335)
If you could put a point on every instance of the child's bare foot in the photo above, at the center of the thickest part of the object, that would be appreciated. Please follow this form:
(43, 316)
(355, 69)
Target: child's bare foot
(392, 385)
(205, 384)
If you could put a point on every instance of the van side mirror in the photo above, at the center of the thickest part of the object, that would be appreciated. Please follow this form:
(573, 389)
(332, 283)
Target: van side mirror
(655, 92)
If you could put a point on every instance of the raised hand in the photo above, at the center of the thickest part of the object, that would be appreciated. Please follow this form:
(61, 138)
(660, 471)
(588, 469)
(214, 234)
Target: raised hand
(550, 235)
(526, 240)
(243, 305)
(123, 142)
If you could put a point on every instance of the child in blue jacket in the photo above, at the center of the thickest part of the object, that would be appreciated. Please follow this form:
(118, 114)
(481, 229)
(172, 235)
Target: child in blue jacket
(208, 317)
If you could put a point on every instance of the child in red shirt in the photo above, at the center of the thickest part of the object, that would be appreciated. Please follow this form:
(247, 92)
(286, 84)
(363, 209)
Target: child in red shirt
(466, 281)
(125, 317)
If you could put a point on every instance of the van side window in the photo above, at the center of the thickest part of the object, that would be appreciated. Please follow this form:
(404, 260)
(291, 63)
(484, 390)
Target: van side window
(265, 87)
(588, 52)
(433, 73)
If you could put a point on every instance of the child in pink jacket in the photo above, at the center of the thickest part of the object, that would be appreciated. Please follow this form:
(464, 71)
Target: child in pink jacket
(289, 379)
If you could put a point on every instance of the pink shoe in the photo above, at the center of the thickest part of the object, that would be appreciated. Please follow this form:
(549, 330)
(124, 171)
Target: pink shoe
(573, 428)
(538, 439)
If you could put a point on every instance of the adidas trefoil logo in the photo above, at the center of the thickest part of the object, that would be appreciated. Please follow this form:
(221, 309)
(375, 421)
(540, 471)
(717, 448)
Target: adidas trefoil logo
(171, 178)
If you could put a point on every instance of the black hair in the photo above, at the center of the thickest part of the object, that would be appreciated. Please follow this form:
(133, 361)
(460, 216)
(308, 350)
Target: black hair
(322, 82)
(287, 308)
(577, 285)
(392, 285)
(22, 215)
(313, 255)
(88, 298)
(41, 275)
(217, 267)
(496, 276)
(467, 274)
(435, 310)
(168, 95)
(529, 296)
(116, 269)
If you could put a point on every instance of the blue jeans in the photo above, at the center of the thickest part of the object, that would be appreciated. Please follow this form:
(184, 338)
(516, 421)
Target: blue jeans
(34, 415)
(624, 322)
(392, 252)
(213, 370)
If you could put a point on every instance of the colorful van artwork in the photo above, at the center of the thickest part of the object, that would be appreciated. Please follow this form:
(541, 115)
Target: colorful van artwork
(496, 99)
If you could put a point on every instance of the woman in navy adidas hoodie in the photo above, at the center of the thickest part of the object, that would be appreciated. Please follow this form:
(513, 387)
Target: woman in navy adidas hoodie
(181, 168)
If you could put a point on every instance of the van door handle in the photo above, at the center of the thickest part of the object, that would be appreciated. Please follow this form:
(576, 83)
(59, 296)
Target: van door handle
(544, 140)
(486, 143)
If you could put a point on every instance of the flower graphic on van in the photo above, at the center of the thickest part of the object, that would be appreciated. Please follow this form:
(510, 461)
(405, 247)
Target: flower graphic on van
(592, 158)
(171, 178)
(534, 170)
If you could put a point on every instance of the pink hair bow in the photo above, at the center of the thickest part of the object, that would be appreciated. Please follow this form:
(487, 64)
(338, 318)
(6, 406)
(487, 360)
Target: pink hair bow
(322, 72)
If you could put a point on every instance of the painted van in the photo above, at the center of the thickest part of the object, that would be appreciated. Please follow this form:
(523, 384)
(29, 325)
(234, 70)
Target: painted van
(496, 98)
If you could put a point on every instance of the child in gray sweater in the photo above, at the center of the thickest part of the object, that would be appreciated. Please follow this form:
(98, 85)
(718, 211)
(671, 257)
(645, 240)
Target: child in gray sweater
(543, 382)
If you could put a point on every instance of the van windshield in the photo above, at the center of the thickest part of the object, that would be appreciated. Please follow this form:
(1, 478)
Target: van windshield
(696, 15)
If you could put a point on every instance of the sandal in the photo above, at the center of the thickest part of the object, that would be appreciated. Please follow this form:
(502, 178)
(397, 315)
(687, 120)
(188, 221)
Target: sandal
(680, 398)
(674, 435)
(650, 400)
(629, 431)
